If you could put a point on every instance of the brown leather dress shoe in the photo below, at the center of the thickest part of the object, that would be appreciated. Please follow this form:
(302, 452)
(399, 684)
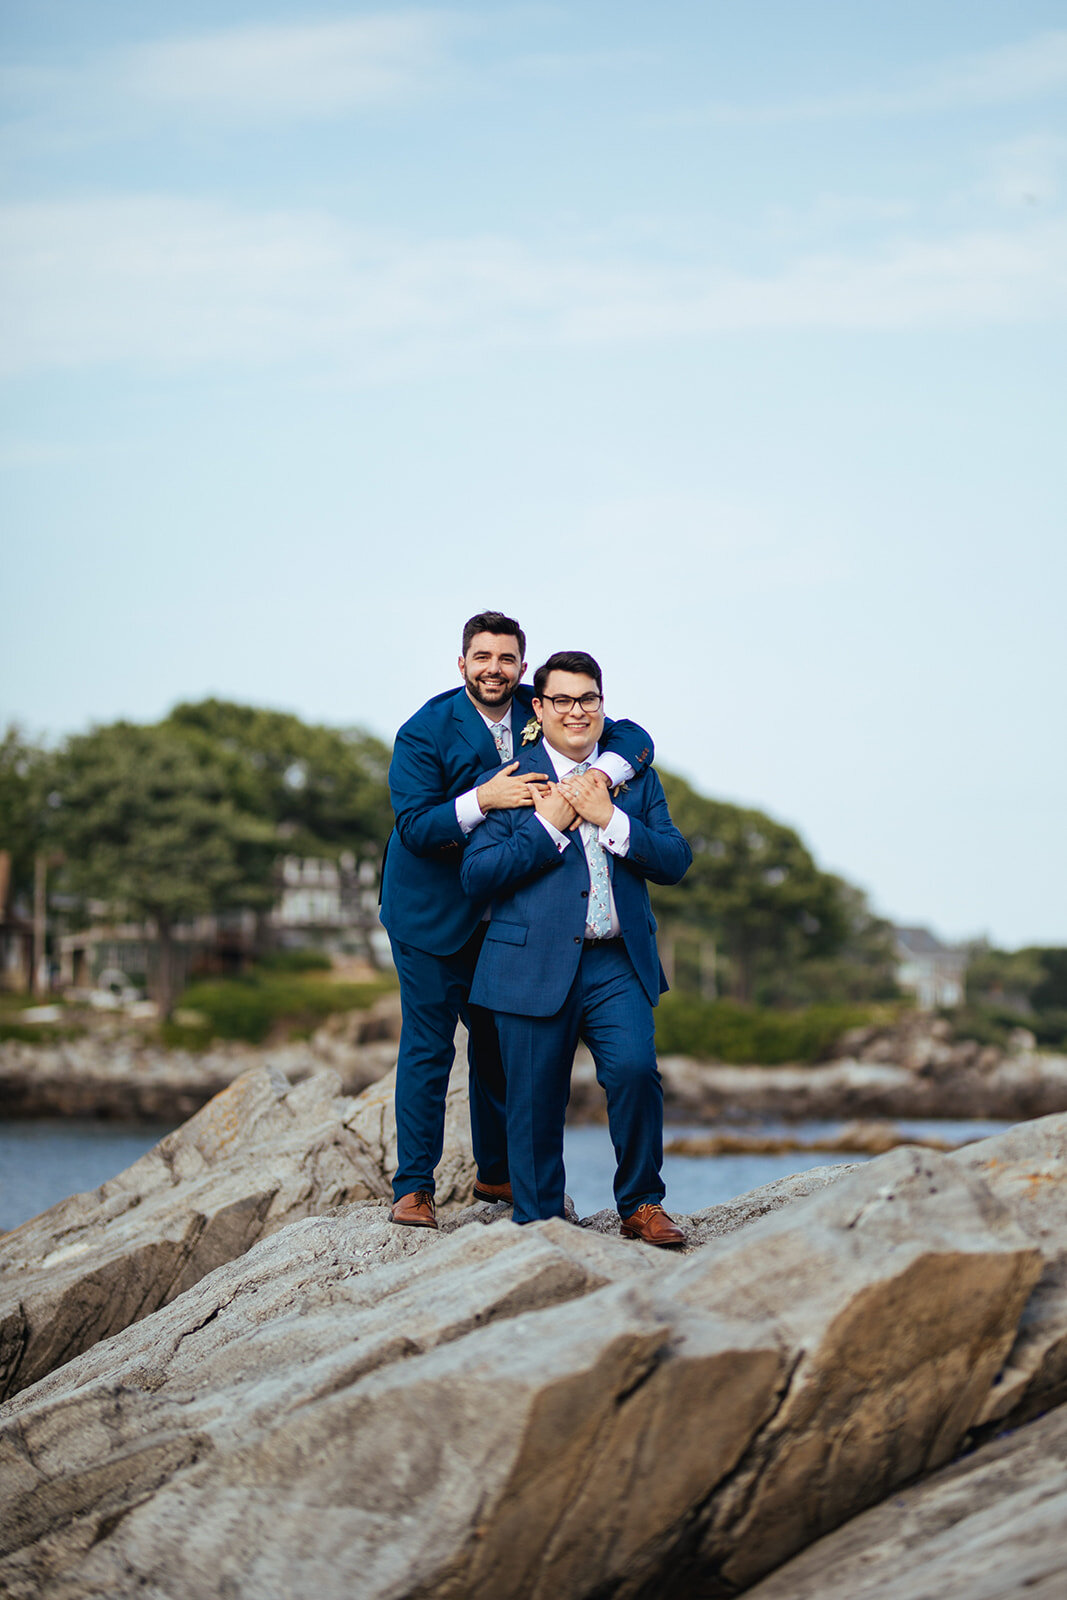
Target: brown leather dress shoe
(652, 1224)
(493, 1192)
(415, 1210)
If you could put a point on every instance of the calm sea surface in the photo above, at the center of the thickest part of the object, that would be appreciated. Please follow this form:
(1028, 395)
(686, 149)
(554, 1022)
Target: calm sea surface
(44, 1161)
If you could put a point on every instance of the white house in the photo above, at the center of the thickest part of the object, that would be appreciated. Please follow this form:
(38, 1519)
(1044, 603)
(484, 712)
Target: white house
(933, 972)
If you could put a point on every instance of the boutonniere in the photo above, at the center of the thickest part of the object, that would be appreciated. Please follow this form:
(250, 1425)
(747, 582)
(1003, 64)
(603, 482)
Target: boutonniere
(532, 731)
(621, 788)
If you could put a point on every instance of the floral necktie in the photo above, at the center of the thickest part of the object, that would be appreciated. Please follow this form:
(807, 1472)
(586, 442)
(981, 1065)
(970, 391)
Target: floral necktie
(598, 916)
(500, 739)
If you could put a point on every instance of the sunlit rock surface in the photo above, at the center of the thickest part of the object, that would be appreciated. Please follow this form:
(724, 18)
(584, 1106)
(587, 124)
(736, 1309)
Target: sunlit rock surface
(991, 1527)
(258, 1156)
(1026, 1169)
(353, 1409)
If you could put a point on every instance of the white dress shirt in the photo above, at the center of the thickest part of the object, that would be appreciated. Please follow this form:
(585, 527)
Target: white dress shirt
(469, 813)
(613, 836)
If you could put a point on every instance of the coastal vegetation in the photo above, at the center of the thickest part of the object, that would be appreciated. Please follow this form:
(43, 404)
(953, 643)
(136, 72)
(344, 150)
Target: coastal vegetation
(725, 1030)
(252, 1005)
(769, 957)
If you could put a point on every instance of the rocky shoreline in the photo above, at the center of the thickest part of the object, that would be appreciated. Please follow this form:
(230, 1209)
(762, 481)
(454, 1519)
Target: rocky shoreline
(913, 1070)
(228, 1375)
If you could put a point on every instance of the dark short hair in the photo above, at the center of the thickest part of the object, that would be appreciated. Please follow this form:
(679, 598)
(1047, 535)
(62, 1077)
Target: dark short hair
(493, 622)
(567, 661)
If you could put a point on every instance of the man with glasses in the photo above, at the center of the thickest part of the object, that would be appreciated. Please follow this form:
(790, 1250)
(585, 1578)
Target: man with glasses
(454, 765)
(570, 951)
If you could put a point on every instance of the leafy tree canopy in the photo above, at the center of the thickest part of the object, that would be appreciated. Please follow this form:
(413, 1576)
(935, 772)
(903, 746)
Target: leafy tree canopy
(324, 789)
(754, 884)
(24, 771)
(148, 819)
(148, 822)
(1035, 976)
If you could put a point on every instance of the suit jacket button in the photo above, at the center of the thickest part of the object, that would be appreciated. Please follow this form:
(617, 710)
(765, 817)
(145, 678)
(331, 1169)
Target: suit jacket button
(585, 894)
(577, 940)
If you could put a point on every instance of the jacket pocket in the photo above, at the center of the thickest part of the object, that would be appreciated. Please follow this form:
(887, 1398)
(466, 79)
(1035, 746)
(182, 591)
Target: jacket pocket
(506, 932)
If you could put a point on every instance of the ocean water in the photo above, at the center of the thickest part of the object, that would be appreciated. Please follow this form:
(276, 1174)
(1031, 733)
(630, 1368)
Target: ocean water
(694, 1182)
(44, 1161)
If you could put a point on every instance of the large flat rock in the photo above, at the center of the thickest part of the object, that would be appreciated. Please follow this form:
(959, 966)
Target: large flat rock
(1026, 1168)
(991, 1527)
(356, 1409)
(260, 1155)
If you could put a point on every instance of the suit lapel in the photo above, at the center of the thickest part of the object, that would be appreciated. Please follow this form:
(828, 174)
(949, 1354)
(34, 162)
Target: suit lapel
(532, 757)
(473, 730)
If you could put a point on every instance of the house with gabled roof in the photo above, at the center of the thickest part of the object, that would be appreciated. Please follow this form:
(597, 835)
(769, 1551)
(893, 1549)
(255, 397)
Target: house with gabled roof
(933, 972)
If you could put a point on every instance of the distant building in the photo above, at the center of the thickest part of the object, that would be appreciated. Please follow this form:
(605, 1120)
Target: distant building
(933, 972)
(220, 943)
(321, 904)
(329, 905)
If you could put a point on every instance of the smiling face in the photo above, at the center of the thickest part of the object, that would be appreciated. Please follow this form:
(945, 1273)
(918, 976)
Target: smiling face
(491, 668)
(576, 732)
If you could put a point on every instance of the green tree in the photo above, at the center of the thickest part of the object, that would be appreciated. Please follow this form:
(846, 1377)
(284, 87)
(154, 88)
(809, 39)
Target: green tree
(1006, 979)
(149, 824)
(324, 790)
(863, 968)
(23, 808)
(753, 885)
(1051, 992)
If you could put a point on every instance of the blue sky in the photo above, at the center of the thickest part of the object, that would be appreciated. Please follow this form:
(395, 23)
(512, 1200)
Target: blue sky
(724, 341)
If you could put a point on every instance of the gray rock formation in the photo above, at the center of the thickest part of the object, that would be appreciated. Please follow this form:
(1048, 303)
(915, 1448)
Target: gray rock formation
(913, 1069)
(1026, 1169)
(356, 1409)
(114, 1071)
(1031, 1083)
(259, 1155)
(991, 1527)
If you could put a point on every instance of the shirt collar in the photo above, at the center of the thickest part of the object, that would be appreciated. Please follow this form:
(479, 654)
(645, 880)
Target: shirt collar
(564, 764)
(501, 722)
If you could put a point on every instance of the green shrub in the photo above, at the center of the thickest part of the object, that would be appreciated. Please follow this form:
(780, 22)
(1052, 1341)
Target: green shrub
(252, 1006)
(294, 961)
(985, 1024)
(1049, 1028)
(39, 1032)
(193, 1036)
(724, 1030)
(995, 1025)
(11, 1004)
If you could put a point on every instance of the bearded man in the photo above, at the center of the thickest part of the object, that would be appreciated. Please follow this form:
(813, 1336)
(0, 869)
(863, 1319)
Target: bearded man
(454, 764)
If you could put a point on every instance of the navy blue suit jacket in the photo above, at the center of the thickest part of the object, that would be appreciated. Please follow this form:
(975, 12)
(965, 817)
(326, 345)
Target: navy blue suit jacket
(441, 752)
(540, 896)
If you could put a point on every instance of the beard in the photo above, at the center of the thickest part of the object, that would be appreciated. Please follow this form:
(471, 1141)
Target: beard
(492, 696)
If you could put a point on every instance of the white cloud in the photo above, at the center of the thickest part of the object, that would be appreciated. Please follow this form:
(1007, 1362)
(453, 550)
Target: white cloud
(311, 69)
(159, 282)
(1029, 70)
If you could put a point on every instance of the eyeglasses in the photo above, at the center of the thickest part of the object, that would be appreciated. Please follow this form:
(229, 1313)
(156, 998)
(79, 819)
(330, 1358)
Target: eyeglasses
(562, 703)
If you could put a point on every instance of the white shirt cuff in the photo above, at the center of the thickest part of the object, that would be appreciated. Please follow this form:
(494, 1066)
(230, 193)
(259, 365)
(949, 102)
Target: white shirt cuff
(618, 770)
(553, 832)
(615, 834)
(468, 812)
